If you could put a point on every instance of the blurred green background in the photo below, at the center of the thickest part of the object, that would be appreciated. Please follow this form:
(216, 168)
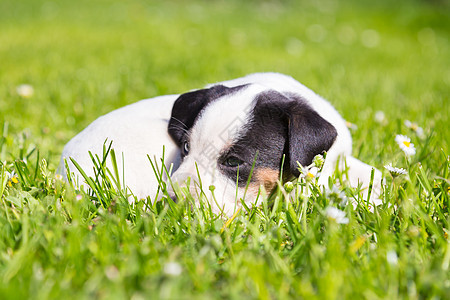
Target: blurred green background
(86, 58)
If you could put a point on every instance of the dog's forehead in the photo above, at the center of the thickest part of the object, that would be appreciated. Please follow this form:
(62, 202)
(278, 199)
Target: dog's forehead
(222, 120)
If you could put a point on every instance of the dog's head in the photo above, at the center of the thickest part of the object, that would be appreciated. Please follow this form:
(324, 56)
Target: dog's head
(239, 136)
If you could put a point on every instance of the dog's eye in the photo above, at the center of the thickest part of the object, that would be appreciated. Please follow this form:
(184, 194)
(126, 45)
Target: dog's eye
(233, 162)
(185, 148)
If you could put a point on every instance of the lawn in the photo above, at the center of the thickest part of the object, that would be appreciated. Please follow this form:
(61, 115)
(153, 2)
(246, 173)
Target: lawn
(383, 64)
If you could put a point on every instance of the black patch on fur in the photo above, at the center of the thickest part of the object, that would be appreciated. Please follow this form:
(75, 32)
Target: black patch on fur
(188, 106)
(280, 125)
(309, 135)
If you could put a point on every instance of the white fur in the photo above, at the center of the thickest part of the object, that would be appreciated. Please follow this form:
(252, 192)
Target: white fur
(136, 130)
(140, 129)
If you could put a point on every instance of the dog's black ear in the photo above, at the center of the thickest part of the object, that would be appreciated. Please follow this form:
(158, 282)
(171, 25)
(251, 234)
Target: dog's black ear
(308, 134)
(187, 108)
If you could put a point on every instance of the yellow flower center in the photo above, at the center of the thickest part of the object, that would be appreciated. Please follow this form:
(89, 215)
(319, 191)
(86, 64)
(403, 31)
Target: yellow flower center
(406, 143)
(310, 175)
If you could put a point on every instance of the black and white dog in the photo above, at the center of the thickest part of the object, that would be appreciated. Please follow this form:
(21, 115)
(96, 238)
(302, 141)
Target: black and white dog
(228, 132)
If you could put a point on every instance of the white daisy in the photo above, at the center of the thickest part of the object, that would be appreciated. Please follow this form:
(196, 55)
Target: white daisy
(395, 171)
(420, 133)
(351, 126)
(380, 117)
(335, 193)
(416, 128)
(392, 258)
(112, 273)
(336, 214)
(405, 144)
(11, 177)
(172, 269)
(25, 90)
(309, 173)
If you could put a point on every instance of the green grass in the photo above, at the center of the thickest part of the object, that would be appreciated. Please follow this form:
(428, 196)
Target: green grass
(86, 58)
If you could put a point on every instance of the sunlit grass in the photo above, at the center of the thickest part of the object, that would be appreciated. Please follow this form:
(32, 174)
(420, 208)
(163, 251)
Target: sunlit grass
(304, 241)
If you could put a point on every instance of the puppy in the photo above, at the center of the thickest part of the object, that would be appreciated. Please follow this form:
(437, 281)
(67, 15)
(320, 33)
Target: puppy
(235, 135)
